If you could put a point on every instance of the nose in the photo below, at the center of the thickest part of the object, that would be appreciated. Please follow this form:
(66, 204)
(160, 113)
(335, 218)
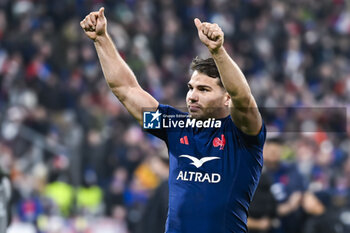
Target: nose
(192, 96)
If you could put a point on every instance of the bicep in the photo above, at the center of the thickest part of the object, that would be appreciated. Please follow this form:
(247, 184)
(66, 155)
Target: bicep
(246, 116)
(136, 100)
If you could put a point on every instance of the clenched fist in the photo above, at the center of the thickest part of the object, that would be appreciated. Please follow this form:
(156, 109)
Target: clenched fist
(210, 34)
(95, 24)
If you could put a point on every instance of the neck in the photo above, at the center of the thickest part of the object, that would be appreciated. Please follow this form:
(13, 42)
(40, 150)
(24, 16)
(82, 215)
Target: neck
(221, 114)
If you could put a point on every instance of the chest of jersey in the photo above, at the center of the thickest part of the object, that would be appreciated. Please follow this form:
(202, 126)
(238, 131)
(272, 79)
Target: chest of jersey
(199, 156)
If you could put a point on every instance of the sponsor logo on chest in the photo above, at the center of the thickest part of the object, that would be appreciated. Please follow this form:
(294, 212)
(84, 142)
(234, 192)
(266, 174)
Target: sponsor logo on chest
(198, 176)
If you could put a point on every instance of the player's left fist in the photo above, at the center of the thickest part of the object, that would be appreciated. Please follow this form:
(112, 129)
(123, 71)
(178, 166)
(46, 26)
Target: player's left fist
(210, 34)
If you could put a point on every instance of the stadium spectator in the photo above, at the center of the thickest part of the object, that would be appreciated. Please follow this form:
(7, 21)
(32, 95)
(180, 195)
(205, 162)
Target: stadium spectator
(263, 209)
(287, 186)
(154, 214)
(5, 201)
(321, 216)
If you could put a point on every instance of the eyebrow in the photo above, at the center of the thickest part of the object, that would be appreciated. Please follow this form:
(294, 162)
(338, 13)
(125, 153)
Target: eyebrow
(200, 86)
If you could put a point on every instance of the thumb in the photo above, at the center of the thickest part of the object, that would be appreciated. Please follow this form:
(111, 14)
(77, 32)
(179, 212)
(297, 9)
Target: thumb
(198, 23)
(101, 12)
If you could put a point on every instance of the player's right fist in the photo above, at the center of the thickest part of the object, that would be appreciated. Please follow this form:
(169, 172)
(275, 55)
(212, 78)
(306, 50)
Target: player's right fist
(95, 24)
(210, 34)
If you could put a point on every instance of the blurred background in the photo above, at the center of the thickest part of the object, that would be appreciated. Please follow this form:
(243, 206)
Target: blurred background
(79, 163)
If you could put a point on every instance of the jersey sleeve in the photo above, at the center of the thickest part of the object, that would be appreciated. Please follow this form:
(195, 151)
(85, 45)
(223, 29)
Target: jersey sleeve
(160, 133)
(165, 110)
(250, 141)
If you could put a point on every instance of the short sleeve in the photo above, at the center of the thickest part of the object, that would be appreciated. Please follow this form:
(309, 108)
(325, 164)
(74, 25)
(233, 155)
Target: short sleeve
(251, 140)
(165, 110)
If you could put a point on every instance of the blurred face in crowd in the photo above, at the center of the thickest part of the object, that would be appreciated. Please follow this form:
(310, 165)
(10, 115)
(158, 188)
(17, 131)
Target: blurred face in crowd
(272, 154)
(206, 98)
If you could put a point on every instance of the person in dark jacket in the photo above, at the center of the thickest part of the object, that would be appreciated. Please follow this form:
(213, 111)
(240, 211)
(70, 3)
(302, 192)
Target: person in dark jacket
(287, 186)
(320, 216)
(5, 200)
(155, 214)
(263, 209)
(156, 210)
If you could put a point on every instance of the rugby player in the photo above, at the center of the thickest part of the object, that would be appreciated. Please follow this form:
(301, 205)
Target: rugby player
(213, 171)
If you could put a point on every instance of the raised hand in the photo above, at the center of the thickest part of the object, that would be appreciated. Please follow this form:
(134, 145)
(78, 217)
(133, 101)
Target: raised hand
(95, 24)
(210, 34)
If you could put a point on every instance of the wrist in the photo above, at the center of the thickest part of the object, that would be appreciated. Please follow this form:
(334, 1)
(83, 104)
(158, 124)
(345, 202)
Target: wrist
(217, 52)
(100, 39)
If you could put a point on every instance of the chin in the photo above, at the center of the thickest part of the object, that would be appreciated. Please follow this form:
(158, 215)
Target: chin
(197, 116)
(194, 116)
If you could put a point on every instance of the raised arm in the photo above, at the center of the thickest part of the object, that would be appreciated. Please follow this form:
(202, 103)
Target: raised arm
(244, 111)
(118, 75)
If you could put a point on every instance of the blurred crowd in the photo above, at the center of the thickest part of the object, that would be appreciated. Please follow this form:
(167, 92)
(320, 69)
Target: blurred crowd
(80, 163)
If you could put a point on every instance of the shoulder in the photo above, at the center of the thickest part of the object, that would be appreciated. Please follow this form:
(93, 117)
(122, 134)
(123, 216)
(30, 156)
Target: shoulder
(249, 140)
(167, 109)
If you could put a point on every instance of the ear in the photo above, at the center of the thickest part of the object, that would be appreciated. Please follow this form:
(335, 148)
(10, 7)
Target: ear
(227, 99)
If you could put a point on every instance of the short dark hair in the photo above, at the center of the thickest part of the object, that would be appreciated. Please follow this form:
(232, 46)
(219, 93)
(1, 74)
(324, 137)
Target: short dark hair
(207, 67)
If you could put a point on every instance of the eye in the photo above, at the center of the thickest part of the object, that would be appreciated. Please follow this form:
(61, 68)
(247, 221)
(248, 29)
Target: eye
(190, 87)
(202, 89)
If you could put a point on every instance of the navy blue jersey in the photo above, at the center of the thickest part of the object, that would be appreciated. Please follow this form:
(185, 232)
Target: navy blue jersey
(286, 180)
(213, 175)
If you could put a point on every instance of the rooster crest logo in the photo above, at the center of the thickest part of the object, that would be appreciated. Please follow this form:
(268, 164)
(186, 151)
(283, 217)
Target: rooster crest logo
(217, 142)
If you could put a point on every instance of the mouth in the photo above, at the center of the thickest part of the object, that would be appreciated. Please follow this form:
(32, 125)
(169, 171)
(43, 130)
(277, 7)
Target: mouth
(194, 107)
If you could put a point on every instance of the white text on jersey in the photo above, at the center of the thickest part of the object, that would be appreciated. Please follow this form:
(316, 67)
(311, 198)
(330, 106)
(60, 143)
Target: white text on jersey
(199, 177)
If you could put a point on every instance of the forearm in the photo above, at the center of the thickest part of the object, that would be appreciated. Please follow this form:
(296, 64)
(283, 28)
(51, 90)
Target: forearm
(233, 79)
(260, 224)
(116, 72)
(284, 209)
(244, 110)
